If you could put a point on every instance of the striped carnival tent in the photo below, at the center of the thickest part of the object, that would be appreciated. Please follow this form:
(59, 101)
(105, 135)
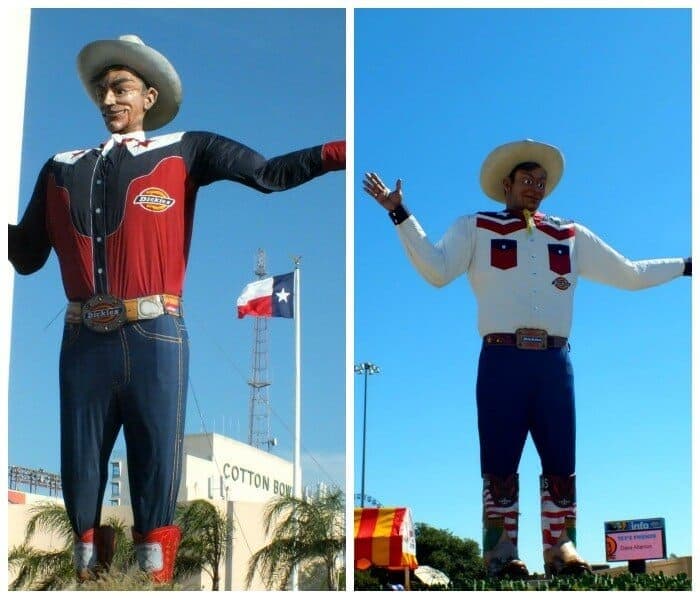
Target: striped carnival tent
(385, 538)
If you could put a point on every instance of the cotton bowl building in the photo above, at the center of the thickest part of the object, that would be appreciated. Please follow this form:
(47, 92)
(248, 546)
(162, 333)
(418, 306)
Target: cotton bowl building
(216, 467)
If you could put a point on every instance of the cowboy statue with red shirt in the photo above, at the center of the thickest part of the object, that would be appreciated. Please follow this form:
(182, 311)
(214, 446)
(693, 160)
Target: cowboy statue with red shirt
(120, 220)
(523, 266)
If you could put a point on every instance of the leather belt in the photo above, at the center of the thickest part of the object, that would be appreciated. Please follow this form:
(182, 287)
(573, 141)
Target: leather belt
(526, 339)
(104, 313)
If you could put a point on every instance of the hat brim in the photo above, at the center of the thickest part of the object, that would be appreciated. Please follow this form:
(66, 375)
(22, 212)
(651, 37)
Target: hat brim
(150, 64)
(500, 162)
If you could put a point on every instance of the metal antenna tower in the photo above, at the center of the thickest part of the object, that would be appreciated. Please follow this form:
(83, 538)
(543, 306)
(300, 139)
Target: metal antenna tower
(259, 433)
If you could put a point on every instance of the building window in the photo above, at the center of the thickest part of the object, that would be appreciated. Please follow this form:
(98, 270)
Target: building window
(115, 489)
(116, 469)
(114, 501)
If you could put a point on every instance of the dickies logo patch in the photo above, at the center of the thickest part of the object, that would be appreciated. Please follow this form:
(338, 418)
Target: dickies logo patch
(561, 283)
(154, 199)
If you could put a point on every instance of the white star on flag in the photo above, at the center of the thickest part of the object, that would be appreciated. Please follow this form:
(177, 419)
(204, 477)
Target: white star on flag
(282, 295)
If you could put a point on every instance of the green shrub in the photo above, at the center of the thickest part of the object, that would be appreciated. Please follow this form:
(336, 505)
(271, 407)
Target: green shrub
(588, 582)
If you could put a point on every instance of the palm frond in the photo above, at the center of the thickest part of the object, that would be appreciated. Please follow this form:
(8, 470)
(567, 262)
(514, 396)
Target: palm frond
(52, 518)
(274, 562)
(40, 570)
(124, 550)
(188, 565)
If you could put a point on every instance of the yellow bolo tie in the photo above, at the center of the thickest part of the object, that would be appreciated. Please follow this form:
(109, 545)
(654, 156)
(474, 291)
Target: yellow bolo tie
(529, 221)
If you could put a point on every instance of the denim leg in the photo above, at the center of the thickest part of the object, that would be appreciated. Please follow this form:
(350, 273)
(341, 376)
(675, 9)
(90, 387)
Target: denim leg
(553, 426)
(153, 405)
(91, 368)
(502, 409)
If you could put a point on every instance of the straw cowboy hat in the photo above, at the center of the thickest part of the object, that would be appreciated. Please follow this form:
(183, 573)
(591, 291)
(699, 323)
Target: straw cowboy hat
(500, 162)
(129, 51)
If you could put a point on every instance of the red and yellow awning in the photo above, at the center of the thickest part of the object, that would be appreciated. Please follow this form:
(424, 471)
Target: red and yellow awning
(384, 538)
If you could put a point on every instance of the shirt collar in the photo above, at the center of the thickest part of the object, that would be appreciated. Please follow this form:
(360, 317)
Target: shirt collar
(117, 138)
(519, 214)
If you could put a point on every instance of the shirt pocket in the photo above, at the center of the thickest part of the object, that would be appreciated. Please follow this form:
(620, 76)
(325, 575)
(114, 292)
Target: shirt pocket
(559, 258)
(504, 253)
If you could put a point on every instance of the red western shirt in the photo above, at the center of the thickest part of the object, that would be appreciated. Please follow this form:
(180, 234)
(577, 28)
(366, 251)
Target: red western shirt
(120, 216)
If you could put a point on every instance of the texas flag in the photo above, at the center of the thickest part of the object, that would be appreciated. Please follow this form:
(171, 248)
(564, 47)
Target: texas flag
(273, 296)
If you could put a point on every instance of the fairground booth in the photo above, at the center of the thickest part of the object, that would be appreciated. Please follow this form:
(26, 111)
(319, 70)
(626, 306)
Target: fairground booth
(385, 538)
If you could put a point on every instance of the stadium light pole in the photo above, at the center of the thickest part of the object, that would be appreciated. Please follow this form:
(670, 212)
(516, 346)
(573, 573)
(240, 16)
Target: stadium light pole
(364, 368)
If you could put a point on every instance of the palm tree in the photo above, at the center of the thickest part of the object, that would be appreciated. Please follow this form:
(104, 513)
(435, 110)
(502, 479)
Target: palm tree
(205, 536)
(304, 533)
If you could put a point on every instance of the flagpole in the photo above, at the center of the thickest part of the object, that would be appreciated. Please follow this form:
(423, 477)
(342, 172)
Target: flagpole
(297, 395)
(297, 377)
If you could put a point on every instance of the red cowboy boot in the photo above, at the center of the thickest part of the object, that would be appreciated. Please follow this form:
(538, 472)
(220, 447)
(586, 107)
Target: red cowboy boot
(156, 552)
(500, 540)
(558, 497)
(84, 555)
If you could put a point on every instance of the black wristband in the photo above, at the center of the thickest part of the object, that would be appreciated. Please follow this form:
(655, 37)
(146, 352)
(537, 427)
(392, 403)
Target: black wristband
(688, 268)
(398, 215)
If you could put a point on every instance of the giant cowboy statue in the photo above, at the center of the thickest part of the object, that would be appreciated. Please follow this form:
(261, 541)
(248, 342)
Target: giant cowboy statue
(523, 266)
(120, 217)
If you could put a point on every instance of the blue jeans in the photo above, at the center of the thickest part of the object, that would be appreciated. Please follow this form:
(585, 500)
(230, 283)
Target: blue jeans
(520, 391)
(135, 377)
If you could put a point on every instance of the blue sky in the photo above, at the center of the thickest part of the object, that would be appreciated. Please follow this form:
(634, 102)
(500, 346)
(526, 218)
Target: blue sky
(435, 91)
(274, 80)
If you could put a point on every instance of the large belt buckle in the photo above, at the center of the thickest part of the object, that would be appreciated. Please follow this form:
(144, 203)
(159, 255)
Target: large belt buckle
(531, 339)
(103, 313)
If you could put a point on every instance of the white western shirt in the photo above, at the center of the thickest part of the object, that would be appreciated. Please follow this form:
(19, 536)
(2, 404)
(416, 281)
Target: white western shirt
(524, 276)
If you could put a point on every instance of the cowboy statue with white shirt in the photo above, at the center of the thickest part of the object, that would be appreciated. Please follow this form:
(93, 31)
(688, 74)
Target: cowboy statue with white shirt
(523, 267)
(120, 219)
